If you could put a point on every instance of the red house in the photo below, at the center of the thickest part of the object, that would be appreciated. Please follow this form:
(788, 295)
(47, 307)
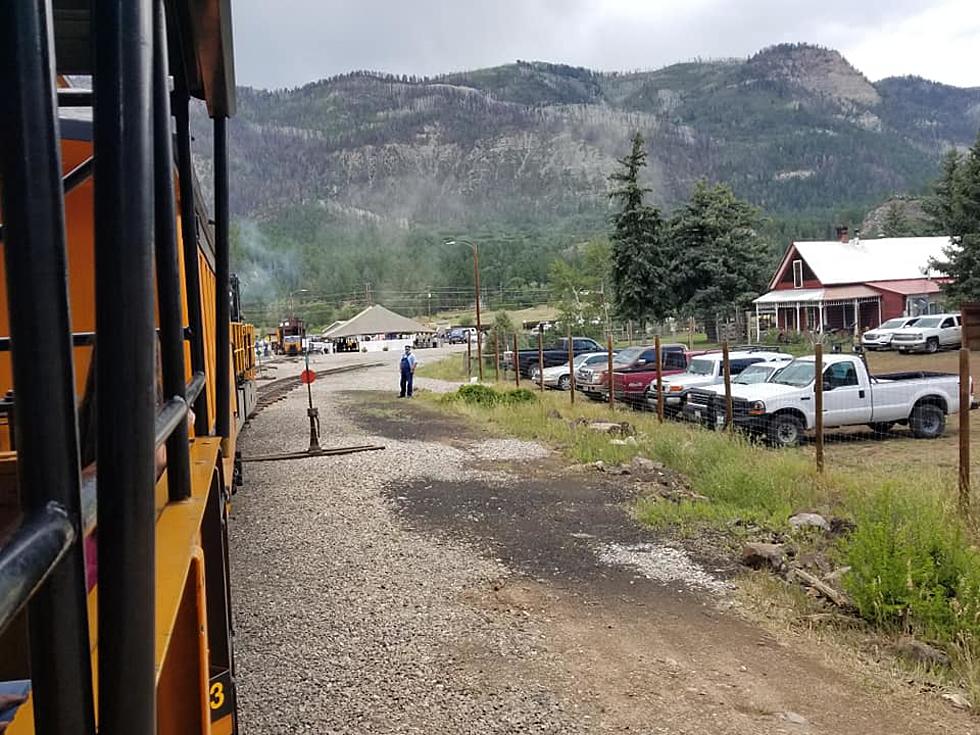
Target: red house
(851, 284)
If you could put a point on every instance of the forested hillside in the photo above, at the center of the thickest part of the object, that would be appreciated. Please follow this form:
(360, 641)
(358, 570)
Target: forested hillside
(357, 179)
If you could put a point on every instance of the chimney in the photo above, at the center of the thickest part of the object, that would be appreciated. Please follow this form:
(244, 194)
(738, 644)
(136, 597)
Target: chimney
(843, 233)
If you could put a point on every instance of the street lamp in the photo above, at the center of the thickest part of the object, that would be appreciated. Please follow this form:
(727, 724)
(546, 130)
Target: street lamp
(476, 280)
(290, 301)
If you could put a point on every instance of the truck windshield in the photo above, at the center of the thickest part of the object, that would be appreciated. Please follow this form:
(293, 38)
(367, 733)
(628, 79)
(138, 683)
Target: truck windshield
(798, 373)
(753, 374)
(628, 356)
(897, 323)
(929, 321)
(701, 367)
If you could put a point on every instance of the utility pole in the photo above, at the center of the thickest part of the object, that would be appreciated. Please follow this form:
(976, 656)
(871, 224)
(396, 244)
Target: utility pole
(476, 282)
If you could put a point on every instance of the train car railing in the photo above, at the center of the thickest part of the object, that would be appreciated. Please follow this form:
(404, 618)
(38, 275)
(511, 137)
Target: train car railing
(46, 547)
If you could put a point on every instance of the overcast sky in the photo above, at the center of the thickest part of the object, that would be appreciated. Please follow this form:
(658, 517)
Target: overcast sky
(285, 43)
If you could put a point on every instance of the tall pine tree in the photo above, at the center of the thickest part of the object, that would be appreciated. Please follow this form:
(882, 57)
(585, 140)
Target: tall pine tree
(955, 209)
(640, 261)
(722, 261)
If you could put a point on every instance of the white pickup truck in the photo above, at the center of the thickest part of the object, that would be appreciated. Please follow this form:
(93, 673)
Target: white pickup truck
(783, 409)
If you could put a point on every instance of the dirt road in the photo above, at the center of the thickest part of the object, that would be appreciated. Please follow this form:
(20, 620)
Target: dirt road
(456, 583)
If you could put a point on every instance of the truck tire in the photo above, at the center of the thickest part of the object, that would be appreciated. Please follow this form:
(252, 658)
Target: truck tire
(932, 345)
(564, 382)
(927, 421)
(882, 428)
(785, 430)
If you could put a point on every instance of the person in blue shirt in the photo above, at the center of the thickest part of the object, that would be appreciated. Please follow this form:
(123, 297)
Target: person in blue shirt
(407, 368)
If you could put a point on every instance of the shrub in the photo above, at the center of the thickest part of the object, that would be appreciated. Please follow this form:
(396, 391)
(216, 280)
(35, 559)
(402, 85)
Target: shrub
(477, 394)
(912, 569)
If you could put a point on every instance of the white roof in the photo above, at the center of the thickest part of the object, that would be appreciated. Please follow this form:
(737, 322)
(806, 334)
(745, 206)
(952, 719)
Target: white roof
(376, 320)
(878, 259)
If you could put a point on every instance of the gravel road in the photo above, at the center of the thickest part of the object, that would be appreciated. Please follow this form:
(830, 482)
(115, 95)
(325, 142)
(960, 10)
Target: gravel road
(457, 582)
(347, 621)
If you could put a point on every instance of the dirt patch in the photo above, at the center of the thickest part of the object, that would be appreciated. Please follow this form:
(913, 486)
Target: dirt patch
(403, 419)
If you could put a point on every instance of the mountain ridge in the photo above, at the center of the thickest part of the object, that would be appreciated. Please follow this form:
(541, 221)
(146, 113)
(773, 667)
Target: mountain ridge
(795, 129)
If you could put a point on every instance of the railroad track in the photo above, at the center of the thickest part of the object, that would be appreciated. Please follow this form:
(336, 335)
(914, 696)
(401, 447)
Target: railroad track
(276, 390)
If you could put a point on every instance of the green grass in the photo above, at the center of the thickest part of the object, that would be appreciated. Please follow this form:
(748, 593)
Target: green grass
(449, 368)
(913, 566)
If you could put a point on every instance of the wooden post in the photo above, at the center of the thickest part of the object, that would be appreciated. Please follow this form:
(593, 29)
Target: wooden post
(726, 367)
(517, 364)
(964, 429)
(469, 357)
(541, 357)
(609, 371)
(496, 356)
(818, 403)
(571, 366)
(659, 357)
(690, 334)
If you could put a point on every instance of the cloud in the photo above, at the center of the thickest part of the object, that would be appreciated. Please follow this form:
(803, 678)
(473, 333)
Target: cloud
(291, 42)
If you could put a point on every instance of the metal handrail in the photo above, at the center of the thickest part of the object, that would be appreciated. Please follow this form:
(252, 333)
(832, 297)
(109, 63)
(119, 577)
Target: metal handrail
(30, 555)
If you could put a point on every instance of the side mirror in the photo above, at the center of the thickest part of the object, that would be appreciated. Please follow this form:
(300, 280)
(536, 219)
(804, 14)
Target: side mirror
(827, 385)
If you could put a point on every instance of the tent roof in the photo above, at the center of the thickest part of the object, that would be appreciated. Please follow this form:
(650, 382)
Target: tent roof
(376, 320)
(861, 261)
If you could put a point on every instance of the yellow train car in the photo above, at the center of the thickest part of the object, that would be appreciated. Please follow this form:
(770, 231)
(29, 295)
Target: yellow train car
(124, 379)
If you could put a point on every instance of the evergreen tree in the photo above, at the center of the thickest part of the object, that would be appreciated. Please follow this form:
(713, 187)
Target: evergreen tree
(955, 208)
(579, 281)
(895, 223)
(640, 261)
(502, 331)
(722, 261)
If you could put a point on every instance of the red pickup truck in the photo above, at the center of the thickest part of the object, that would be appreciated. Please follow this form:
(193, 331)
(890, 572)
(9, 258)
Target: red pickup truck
(633, 369)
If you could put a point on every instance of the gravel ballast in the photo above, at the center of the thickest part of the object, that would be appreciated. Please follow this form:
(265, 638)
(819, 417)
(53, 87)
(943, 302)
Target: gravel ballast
(347, 621)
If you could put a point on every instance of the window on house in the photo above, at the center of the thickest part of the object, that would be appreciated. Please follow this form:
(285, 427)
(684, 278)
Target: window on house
(797, 274)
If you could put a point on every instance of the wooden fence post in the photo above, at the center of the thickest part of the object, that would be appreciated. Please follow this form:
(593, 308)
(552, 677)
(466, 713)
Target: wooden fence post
(496, 356)
(659, 357)
(571, 367)
(964, 430)
(818, 403)
(726, 367)
(609, 371)
(517, 364)
(541, 357)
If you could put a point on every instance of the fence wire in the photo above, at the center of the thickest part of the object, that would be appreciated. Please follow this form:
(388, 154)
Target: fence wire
(881, 410)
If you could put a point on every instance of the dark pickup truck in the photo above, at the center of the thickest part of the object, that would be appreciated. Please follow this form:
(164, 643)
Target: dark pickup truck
(556, 354)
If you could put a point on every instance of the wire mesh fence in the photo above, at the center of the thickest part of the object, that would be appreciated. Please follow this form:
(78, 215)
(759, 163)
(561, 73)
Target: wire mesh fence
(886, 410)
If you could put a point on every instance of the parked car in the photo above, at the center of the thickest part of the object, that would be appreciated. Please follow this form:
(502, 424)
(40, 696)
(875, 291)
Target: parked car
(880, 338)
(630, 383)
(560, 377)
(631, 367)
(699, 400)
(930, 334)
(782, 409)
(555, 354)
(705, 370)
(317, 347)
(459, 335)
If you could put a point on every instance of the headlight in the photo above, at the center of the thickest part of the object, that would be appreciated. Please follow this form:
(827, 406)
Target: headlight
(757, 408)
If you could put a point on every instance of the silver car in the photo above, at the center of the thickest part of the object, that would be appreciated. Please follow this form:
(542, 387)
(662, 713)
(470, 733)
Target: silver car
(880, 338)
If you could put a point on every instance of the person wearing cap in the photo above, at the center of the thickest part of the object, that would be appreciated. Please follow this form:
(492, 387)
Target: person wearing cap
(407, 368)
